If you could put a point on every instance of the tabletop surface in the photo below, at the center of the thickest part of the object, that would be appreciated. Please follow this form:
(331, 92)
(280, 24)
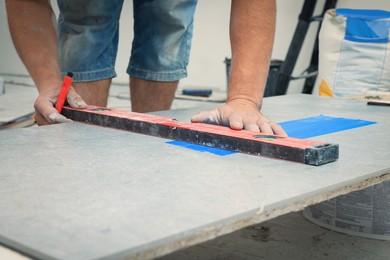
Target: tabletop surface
(75, 191)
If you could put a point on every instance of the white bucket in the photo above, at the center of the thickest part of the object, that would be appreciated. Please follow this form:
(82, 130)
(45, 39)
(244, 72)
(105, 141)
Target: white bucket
(364, 213)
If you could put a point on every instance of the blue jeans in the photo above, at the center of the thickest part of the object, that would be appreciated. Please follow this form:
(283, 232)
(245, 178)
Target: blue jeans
(88, 38)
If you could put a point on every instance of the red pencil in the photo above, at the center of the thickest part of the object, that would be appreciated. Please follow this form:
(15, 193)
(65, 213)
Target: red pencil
(64, 91)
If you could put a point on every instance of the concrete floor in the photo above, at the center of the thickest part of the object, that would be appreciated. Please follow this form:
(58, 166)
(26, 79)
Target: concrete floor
(289, 236)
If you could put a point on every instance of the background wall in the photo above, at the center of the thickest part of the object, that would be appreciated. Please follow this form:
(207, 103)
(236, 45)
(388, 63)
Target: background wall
(210, 44)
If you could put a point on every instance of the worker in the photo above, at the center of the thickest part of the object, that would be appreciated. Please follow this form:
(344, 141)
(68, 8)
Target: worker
(87, 42)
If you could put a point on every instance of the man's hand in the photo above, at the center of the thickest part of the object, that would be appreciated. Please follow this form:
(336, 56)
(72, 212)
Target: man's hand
(240, 114)
(45, 113)
(252, 28)
(33, 30)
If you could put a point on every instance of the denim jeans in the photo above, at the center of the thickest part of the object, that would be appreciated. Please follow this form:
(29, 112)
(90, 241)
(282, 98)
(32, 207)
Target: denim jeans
(89, 30)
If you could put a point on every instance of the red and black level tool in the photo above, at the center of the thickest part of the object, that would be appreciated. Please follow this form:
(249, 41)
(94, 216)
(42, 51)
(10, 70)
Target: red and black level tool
(285, 148)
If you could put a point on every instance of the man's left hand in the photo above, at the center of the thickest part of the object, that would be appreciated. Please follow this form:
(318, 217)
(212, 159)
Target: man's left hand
(240, 114)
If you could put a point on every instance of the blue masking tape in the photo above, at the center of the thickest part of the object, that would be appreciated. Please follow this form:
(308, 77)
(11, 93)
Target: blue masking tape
(201, 148)
(320, 125)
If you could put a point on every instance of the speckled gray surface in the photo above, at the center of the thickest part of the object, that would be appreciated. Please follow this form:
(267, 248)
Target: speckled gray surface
(75, 191)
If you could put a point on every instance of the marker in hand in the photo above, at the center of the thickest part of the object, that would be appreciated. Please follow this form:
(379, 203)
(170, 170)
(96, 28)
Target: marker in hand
(64, 91)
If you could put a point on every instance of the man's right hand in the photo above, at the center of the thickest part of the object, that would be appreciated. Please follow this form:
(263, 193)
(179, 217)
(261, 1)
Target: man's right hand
(45, 113)
(34, 35)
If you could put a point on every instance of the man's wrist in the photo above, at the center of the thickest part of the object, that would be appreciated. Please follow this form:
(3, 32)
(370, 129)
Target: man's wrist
(246, 99)
(49, 86)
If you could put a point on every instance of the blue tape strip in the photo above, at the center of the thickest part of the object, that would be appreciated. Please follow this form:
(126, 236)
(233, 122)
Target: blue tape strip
(201, 148)
(321, 125)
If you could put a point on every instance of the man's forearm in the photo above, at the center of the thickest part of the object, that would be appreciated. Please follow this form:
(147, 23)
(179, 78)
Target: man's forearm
(33, 30)
(252, 28)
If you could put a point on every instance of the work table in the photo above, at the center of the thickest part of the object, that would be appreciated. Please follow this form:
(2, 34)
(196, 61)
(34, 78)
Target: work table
(77, 191)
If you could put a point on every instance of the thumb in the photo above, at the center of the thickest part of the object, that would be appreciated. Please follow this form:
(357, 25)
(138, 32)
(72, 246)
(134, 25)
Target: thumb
(204, 117)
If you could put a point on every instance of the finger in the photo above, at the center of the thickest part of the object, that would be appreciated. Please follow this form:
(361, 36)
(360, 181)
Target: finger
(40, 120)
(75, 100)
(200, 117)
(252, 127)
(277, 129)
(56, 118)
(204, 117)
(47, 114)
(250, 123)
(265, 127)
(235, 122)
(51, 115)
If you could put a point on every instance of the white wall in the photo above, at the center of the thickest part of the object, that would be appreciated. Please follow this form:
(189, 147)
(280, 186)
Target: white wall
(210, 44)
